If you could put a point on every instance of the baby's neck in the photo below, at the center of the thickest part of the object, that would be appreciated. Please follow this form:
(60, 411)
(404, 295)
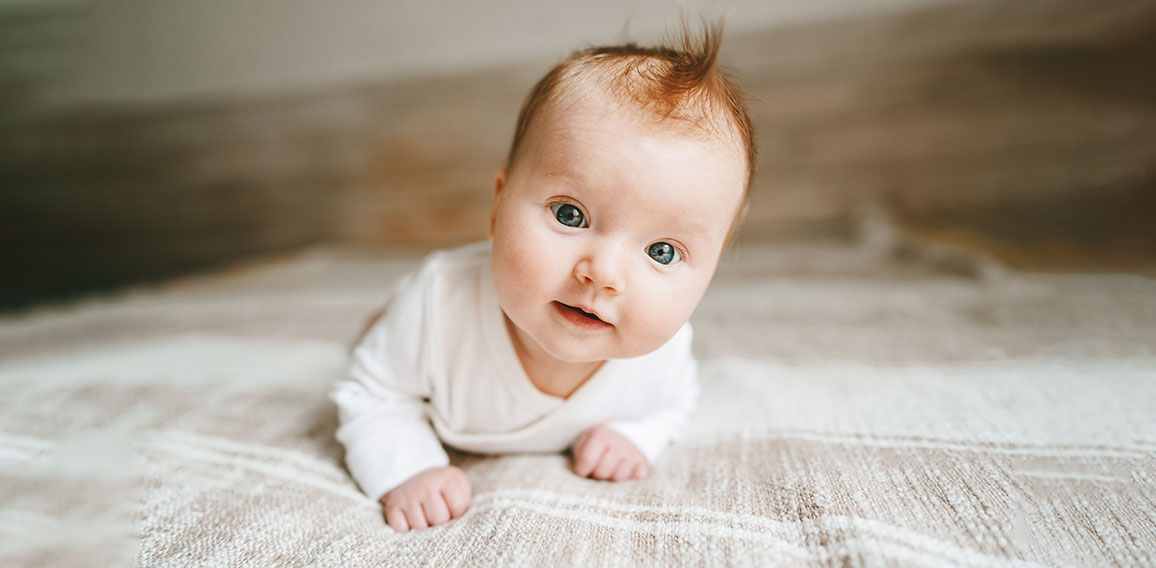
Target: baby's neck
(549, 375)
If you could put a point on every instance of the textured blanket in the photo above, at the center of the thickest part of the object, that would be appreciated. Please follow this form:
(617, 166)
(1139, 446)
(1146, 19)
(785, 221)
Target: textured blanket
(856, 411)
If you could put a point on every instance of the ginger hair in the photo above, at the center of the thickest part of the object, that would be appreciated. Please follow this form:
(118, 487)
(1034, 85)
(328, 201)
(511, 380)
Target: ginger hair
(681, 82)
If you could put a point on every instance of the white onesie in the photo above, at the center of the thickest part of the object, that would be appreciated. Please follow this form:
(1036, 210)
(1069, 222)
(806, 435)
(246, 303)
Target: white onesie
(442, 355)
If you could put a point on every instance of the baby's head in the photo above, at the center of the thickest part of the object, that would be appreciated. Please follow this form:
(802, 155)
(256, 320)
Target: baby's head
(628, 172)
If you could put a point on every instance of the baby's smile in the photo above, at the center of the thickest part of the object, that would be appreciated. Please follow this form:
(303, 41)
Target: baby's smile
(581, 318)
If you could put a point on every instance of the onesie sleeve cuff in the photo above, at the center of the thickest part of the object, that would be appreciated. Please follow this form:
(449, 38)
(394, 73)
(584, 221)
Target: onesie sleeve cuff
(380, 467)
(649, 440)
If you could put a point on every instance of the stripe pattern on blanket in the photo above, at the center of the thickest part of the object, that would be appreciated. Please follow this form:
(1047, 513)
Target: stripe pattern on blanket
(932, 421)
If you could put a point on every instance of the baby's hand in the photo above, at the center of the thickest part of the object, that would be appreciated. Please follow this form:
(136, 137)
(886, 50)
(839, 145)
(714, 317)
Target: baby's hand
(602, 453)
(429, 498)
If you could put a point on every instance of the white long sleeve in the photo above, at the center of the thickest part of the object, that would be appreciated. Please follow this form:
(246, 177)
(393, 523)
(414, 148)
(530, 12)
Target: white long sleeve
(381, 404)
(654, 433)
(676, 401)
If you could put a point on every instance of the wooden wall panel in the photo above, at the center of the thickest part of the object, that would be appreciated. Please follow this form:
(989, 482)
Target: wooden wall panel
(1026, 128)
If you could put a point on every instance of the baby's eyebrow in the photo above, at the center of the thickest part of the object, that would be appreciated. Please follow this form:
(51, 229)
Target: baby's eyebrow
(563, 175)
(693, 234)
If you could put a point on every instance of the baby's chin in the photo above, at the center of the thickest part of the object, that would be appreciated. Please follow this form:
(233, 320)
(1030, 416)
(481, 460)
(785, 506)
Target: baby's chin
(578, 352)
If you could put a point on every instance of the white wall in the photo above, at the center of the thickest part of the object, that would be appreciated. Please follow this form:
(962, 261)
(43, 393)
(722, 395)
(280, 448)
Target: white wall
(133, 51)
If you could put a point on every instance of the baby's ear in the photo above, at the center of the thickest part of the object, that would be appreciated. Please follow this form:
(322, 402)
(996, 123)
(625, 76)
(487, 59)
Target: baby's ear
(499, 184)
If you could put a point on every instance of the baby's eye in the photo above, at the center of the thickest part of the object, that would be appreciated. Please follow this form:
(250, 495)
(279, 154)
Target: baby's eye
(569, 215)
(663, 253)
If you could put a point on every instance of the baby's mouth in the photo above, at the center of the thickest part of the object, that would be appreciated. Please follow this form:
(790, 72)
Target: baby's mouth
(582, 311)
(578, 315)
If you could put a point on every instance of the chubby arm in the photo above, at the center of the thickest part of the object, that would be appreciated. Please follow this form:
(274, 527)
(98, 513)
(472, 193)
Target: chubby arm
(390, 447)
(653, 434)
(625, 449)
(381, 405)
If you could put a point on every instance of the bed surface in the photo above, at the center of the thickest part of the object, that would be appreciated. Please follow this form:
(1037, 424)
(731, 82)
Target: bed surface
(856, 410)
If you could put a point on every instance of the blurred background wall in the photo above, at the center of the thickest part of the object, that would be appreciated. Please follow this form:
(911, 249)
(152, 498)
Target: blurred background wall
(144, 140)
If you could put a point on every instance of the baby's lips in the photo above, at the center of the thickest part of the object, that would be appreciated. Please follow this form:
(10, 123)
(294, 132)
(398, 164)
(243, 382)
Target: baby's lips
(589, 311)
(581, 313)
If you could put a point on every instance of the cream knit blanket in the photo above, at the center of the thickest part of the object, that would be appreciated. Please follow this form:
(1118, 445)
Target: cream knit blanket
(855, 412)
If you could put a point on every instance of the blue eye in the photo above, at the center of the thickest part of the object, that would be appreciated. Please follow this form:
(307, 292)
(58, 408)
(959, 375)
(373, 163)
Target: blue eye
(569, 215)
(663, 253)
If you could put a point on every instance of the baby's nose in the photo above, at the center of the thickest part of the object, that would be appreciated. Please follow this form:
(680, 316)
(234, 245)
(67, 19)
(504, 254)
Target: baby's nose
(603, 269)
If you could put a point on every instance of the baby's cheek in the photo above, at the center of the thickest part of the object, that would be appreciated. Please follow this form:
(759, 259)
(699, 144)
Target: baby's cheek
(520, 266)
(668, 310)
(652, 329)
(524, 263)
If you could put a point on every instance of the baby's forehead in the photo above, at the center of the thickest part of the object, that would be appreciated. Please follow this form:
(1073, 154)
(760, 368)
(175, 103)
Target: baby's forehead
(577, 111)
(592, 142)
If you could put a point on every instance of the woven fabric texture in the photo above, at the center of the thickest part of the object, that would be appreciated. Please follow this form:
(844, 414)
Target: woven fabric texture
(856, 411)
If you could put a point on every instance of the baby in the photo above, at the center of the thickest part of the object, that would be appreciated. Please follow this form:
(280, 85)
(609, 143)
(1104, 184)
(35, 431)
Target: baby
(567, 329)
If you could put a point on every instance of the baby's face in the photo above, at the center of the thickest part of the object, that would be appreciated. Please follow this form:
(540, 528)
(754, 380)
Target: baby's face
(607, 231)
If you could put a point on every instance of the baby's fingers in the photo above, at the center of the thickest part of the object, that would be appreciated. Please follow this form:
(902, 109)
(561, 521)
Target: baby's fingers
(608, 465)
(627, 470)
(458, 501)
(416, 516)
(396, 520)
(642, 471)
(588, 456)
(436, 511)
